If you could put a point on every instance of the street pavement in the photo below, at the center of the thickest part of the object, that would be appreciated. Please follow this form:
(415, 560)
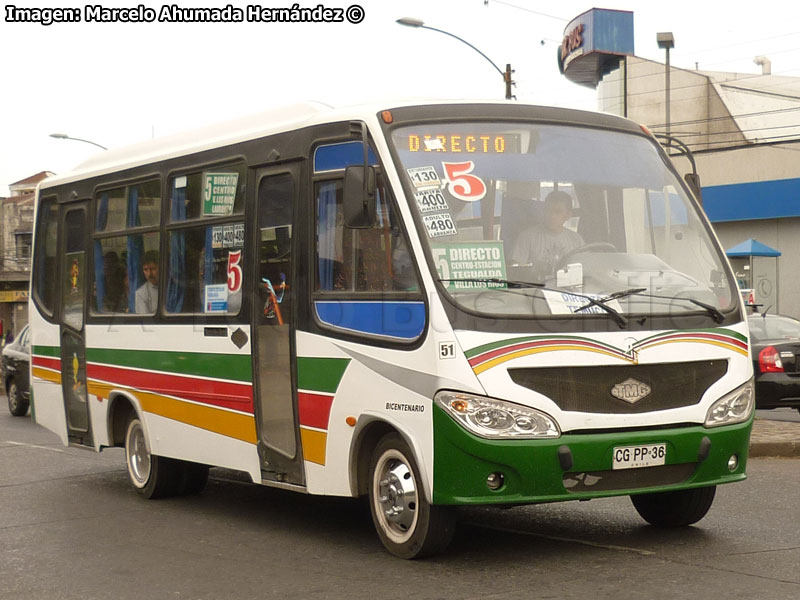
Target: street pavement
(774, 438)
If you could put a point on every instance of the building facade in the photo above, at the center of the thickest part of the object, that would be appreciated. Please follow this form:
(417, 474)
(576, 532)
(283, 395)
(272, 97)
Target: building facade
(16, 233)
(744, 131)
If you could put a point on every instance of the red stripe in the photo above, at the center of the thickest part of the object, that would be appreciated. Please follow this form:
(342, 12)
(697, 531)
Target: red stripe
(47, 362)
(709, 336)
(476, 360)
(237, 396)
(314, 409)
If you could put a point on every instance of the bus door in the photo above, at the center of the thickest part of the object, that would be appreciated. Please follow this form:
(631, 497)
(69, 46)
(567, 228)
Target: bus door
(274, 324)
(74, 271)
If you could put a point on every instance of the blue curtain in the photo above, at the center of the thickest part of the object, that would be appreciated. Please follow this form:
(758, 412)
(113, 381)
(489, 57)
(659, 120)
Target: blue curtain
(99, 273)
(135, 249)
(176, 285)
(326, 234)
(208, 265)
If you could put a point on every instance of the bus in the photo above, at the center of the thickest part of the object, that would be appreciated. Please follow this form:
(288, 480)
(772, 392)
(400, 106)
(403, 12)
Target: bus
(430, 305)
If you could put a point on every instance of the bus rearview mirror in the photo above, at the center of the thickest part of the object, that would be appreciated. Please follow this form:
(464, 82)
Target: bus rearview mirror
(693, 181)
(359, 197)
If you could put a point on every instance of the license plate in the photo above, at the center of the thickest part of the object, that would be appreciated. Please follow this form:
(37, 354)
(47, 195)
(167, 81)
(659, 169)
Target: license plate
(634, 457)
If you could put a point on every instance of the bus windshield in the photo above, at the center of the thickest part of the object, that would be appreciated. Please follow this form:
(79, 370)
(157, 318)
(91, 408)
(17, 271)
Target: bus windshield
(525, 218)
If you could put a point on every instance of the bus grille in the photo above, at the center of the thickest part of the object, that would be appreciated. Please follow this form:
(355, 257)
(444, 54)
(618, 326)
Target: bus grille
(589, 389)
(627, 479)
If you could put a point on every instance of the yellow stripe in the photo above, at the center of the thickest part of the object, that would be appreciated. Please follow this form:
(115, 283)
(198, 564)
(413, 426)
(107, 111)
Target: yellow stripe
(520, 353)
(313, 445)
(230, 424)
(690, 341)
(46, 375)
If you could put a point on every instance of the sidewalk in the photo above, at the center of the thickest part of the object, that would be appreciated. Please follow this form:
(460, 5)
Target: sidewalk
(775, 438)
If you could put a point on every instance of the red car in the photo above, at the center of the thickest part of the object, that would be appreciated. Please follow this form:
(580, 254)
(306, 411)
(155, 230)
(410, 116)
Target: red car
(775, 345)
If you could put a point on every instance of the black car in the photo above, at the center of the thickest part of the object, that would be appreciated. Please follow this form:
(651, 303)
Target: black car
(15, 369)
(775, 345)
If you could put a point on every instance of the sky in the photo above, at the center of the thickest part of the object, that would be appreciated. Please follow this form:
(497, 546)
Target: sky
(122, 83)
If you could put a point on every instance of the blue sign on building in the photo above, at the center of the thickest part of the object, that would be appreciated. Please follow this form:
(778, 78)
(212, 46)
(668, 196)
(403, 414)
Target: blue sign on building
(593, 44)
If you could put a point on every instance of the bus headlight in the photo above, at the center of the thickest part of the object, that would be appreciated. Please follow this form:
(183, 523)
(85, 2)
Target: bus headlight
(735, 407)
(492, 418)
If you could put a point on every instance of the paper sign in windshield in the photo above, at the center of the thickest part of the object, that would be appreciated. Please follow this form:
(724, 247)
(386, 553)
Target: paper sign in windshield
(430, 201)
(468, 266)
(216, 298)
(424, 177)
(564, 303)
(219, 193)
(439, 225)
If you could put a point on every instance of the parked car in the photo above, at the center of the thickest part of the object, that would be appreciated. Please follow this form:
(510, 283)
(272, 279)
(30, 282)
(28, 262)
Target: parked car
(775, 345)
(16, 373)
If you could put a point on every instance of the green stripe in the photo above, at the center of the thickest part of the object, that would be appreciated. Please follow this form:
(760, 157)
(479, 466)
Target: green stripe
(510, 342)
(223, 366)
(320, 374)
(52, 351)
(716, 330)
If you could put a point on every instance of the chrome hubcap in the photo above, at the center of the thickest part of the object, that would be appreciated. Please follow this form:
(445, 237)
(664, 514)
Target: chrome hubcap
(12, 396)
(138, 455)
(396, 495)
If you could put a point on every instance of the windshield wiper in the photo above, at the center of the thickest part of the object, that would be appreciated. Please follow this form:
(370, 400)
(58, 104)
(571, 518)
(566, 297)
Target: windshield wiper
(713, 311)
(509, 282)
(601, 303)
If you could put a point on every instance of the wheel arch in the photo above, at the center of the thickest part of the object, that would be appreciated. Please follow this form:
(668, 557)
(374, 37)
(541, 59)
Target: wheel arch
(369, 431)
(122, 407)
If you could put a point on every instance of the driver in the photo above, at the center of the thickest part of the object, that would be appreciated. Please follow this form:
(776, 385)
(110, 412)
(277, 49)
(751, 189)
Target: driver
(545, 244)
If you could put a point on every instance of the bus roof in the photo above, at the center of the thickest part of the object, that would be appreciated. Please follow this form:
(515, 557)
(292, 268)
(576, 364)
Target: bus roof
(278, 120)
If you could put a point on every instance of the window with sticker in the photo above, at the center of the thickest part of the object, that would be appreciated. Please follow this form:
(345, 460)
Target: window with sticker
(529, 218)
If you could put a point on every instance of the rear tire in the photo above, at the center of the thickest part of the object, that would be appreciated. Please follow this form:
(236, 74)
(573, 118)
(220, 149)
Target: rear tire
(675, 509)
(194, 477)
(407, 524)
(152, 476)
(17, 405)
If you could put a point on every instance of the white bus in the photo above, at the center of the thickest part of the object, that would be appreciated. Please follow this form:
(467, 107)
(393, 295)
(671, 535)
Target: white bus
(432, 305)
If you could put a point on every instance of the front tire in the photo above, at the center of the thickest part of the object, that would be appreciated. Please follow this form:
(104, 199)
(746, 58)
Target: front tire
(152, 476)
(17, 405)
(407, 524)
(675, 509)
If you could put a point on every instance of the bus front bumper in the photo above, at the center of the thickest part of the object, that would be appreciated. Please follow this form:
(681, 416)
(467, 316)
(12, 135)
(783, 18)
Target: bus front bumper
(579, 466)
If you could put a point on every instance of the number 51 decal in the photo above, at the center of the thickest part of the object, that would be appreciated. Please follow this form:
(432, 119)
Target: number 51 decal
(462, 185)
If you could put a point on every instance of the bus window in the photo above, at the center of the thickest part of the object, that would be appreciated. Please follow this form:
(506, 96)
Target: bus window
(45, 258)
(360, 260)
(205, 261)
(123, 262)
(202, 269)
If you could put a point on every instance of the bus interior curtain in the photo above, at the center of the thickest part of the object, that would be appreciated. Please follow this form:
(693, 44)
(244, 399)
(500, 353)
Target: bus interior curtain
(176, 285)
(99, 272)
(208, 260)
(135, 249)
(326, 252)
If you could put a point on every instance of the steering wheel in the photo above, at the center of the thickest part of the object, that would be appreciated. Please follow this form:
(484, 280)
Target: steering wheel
(593, 247)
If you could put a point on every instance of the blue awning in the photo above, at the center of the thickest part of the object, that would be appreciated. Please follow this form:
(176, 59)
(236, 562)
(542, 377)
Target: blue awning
(751, 247)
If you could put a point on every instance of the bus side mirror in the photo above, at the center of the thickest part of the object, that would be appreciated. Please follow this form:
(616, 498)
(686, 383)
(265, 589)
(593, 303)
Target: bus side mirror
(359, 197)
(693, 181)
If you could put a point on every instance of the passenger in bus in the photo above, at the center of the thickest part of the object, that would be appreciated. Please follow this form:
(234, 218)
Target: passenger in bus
(542, 246)
(147, 294)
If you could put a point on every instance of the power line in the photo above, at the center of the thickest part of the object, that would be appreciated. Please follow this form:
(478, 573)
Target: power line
(523, 8)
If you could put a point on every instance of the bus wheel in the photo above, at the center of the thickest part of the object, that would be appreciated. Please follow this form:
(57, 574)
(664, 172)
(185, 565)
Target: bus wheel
(675, 509)
(152, 476)
(407, 524)
(17, 405)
